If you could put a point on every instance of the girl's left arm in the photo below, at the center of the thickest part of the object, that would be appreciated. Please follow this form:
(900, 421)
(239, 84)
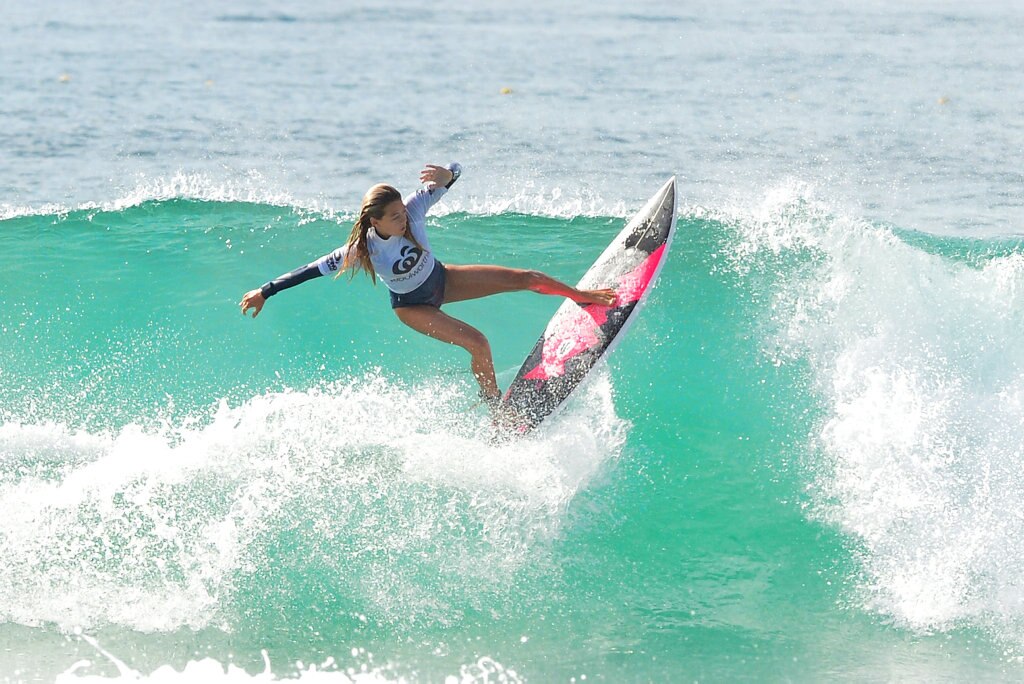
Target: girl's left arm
(437, 179)
(434, 176)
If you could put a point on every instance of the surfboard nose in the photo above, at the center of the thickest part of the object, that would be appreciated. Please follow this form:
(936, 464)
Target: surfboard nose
(665, 195)
(667, 192)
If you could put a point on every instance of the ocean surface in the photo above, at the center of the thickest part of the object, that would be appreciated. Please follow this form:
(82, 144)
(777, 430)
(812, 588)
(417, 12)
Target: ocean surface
(803, 464)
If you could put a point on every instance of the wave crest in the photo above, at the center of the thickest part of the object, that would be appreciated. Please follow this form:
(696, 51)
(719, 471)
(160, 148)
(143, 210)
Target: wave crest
(914, 353)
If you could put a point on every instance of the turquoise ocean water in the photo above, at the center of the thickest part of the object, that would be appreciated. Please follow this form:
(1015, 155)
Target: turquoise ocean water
(803, 464)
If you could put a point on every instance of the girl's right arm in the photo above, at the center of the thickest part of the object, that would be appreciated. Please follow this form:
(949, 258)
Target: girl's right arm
(255, 299)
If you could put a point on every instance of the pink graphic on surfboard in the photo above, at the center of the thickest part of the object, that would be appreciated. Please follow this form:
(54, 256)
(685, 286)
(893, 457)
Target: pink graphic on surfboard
(578, 336)
(582, 329)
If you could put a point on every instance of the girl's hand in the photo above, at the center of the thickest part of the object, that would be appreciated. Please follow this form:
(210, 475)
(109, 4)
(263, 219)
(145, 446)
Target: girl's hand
(435, 176)
(253, 299)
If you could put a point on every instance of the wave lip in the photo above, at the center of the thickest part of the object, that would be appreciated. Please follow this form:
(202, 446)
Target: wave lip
(252, 188)
(255, 188)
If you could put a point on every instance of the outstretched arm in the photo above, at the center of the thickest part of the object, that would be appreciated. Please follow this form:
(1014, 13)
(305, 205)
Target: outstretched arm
(255, 299)
(328, 263)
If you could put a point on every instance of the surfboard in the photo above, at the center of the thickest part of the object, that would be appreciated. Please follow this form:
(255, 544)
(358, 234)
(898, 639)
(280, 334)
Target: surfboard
(579, 335)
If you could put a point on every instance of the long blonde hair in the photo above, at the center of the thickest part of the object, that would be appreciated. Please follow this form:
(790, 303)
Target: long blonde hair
(358, 253)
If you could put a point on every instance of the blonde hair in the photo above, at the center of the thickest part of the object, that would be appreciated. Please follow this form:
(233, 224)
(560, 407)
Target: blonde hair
(357, 256)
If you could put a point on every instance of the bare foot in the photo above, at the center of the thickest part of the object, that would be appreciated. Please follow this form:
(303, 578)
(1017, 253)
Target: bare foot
(604, 297)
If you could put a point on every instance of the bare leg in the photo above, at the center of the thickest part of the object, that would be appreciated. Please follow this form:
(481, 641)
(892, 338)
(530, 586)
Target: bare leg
(473, 282)
(439, 325)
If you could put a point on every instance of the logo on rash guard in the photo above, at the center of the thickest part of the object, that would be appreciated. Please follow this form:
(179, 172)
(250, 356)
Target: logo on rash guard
(410, 255)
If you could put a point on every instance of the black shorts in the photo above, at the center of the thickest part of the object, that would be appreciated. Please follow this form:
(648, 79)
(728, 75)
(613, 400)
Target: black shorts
(431, 292)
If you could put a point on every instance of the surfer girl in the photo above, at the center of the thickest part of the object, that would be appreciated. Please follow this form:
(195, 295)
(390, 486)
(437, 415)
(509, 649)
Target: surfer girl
(389, 241)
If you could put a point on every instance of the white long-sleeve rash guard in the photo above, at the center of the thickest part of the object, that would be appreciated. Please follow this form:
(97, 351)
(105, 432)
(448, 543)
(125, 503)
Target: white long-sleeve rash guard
(398, 261)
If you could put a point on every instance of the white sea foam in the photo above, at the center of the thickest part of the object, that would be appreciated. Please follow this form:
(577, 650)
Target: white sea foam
(407, 513)
(917, 359)
(483, 671)
(10, 211)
